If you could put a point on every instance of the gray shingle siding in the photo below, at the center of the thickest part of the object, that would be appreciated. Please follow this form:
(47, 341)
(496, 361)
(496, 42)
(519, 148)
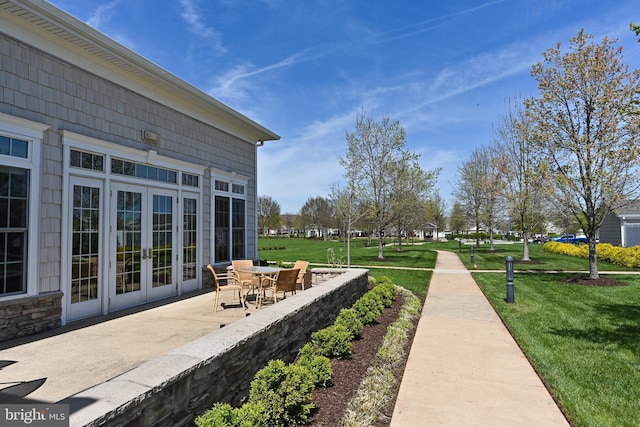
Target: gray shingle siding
(36, 86)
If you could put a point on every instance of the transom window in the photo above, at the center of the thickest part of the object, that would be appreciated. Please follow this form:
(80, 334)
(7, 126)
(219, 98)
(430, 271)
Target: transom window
(84, 160)
(222, 186)
(237, 189)
(123, 167)
(14, 147)
(190, 180)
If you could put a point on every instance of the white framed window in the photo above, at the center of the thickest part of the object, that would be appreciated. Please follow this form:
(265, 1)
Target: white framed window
(229, 231)
(20, 147)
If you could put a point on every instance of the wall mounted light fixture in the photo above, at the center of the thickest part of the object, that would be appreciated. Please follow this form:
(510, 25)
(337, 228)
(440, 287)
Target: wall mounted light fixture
(149, 136)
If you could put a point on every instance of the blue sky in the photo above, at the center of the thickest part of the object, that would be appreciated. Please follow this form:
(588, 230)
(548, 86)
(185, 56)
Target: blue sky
(305, 69)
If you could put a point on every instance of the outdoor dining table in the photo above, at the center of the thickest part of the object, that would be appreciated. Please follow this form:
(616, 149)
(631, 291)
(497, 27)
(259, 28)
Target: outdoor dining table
(261, 272)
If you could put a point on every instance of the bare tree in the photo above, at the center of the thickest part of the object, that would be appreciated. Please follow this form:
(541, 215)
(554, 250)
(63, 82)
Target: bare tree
(588, 120)
(472, 187)
(268, 214)
(375, 149)
(347, 210)
(523, 171)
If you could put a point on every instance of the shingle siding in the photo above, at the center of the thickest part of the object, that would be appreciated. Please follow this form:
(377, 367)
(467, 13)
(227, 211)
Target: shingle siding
(37, 86)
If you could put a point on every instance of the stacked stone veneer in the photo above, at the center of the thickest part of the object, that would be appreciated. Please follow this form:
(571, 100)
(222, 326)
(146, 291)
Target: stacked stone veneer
(177, 386)
(30, 315)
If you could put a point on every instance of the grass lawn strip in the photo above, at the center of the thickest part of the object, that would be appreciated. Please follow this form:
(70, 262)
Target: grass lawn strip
(582, 340)
(375, 391)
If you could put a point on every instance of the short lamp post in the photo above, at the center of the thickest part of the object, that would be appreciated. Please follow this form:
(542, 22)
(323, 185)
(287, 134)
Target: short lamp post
(460, 246)
(472, 255)
(511, 297)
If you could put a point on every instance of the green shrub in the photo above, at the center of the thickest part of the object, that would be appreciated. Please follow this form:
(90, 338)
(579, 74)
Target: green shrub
(224, 415)
(369, 308)
(349, 318)
(283, 392)
(319, 366)
(332, 341)
(386, 291)
(626, 257)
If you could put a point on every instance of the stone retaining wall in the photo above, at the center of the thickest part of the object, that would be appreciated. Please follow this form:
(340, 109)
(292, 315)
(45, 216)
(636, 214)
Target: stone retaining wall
(30, 315)
(175, 387)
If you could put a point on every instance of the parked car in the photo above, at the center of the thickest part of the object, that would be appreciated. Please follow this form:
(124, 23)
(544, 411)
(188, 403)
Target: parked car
(570, 238)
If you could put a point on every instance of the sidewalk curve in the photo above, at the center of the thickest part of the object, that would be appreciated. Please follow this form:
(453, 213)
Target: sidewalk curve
(464, 368)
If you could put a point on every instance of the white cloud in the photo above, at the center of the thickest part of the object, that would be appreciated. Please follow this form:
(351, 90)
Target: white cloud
(102, 13)
(197, 26)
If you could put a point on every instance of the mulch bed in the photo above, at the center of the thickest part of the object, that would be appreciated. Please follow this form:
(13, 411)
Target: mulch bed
(331, 402)
(601, 281)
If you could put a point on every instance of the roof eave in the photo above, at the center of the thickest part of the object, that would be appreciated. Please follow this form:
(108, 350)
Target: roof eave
(53, 30)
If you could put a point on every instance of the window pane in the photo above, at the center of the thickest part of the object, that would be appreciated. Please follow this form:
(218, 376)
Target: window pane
(19, 148)
(75, 158)
(222, 215)
(5, 145)
(12, 262)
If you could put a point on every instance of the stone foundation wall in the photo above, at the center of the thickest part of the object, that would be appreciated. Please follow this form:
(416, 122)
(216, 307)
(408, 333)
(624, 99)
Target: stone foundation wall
(177, 386)
(30, 315)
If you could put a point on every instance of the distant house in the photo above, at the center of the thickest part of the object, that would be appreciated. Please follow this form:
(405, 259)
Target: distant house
(622, 228)
(119, 182)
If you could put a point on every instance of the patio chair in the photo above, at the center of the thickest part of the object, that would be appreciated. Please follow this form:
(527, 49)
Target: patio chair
(302, 266)
(245, 279)
(231, 285)
(284, 281)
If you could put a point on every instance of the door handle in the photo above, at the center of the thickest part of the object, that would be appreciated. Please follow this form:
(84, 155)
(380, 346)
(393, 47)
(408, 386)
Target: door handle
(144, 254)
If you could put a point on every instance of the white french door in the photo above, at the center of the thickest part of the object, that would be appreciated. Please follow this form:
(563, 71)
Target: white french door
(143, 245)
(85, 248)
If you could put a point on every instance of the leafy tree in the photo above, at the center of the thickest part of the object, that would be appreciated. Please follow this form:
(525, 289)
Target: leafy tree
(376, 149)
(523, 170)
(317, 211)
(435, 209)
(412, 186)
(492, 185)
(635, 28)
(268, 214)
(457, 218)
(587, 122)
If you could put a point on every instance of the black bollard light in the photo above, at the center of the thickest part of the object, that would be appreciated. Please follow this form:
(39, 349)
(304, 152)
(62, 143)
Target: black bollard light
(472, 254)
(460, 246)
(511, 292)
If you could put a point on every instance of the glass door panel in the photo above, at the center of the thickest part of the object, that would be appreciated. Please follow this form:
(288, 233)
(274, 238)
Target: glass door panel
(128, 242)
(85, 272)
(189, 244)
(162, 250)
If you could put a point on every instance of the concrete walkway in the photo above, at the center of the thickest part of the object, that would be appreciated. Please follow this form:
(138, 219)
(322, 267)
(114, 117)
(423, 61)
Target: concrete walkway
(464, 368)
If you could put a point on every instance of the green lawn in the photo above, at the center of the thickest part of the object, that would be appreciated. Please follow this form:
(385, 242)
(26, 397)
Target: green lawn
(487, 260)
(584, 342)
(316, 251)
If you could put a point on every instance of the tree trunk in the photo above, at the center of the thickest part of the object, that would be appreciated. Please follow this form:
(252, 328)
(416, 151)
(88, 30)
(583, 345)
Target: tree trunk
(525, 245)
(593, 259)
(491, 247)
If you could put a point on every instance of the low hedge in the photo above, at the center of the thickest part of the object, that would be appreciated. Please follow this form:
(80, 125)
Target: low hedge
(625, 257)
(280, 394)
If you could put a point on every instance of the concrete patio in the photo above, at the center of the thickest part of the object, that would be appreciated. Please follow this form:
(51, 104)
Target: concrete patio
(82, 354)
